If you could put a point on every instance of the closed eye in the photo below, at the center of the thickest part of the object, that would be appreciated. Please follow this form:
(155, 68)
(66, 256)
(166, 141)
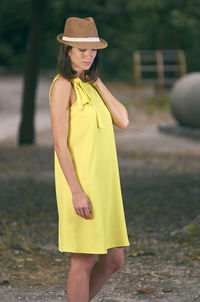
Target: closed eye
(82, 49)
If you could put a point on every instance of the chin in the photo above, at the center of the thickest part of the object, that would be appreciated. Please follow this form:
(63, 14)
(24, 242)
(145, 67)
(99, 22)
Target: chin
(87, 67)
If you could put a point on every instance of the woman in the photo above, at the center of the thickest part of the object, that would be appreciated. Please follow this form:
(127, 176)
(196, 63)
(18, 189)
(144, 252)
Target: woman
(92, 225)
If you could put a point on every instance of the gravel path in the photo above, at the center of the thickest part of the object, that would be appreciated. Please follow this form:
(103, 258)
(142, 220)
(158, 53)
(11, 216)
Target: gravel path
(160, 182)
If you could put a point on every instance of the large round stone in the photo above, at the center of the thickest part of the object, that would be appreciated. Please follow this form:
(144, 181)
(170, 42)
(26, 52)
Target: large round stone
(185, 100)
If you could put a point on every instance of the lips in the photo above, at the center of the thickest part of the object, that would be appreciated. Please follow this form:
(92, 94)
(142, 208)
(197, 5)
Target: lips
(87, 62)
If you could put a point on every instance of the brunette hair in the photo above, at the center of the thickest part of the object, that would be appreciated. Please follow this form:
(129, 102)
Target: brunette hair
(66, 71)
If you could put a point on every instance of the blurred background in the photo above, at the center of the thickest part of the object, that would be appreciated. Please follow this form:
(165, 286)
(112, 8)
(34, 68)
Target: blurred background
(127, 25)
(152, 66)
(151, 44)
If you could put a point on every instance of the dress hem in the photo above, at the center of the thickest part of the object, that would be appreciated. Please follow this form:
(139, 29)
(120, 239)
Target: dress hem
(84, 252)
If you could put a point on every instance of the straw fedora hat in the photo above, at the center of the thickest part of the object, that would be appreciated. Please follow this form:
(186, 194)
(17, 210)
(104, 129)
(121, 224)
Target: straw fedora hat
(81, 33)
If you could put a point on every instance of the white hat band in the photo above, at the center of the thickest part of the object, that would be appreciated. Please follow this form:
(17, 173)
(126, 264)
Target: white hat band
(70, 39)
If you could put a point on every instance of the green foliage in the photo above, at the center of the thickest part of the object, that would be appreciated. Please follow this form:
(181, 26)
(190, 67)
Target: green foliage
(13, 31)
(161, 102)
(192, 227)
(126, 25)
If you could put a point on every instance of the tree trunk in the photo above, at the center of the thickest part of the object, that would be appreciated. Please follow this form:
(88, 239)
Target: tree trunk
(26, 129)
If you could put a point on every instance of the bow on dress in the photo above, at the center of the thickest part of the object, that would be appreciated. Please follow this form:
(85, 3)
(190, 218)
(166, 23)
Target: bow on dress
(82, 100)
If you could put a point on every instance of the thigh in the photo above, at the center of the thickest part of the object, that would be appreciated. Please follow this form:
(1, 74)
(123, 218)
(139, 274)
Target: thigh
(83, 260)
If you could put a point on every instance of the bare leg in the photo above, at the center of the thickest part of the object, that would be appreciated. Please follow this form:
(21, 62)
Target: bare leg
(106, 265)
(78, 277)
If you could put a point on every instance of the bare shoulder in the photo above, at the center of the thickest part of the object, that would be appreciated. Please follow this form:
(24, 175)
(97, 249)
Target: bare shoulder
(61, 83)
(60, 91)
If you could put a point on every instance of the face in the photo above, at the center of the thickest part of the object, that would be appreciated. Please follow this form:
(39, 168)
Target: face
(82, 59)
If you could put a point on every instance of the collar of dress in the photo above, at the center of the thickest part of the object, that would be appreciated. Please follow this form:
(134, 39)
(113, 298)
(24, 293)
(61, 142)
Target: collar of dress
(84, 98)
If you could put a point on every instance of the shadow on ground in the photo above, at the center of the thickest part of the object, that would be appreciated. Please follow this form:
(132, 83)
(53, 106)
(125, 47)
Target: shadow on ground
(161, 195)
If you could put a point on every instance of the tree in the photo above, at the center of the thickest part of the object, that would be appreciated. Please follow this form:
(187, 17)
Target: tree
(26, 129)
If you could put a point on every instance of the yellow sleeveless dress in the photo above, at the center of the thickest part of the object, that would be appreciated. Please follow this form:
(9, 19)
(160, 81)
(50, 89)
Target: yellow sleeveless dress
(91, 143)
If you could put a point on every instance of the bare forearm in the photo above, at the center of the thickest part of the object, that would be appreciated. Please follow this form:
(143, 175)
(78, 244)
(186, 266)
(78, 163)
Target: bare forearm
(67, 166)
(118, 111)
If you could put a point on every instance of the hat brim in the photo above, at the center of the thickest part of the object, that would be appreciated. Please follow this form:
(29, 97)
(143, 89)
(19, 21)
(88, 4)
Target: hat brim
(86, 45)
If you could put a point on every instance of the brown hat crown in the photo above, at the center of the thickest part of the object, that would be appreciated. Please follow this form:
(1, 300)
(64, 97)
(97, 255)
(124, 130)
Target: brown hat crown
(82, 33)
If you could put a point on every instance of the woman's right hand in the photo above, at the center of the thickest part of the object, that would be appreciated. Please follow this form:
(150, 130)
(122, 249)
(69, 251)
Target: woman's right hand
(81, 205)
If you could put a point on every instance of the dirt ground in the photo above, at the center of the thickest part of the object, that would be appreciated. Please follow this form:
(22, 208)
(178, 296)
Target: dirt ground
(160, 180)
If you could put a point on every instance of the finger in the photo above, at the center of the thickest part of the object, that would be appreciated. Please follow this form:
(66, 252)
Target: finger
(87, 214)
(78, 212)
(82, 212)
(89, 207)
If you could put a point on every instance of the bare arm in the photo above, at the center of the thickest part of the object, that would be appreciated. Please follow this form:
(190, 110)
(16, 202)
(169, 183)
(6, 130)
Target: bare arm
(59, 110)
(117, 110)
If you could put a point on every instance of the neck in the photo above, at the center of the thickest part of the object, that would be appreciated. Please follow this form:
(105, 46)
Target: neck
(80, 74)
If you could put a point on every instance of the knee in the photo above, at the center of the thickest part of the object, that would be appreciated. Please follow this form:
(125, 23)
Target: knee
(116, 263)
(83, 262)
